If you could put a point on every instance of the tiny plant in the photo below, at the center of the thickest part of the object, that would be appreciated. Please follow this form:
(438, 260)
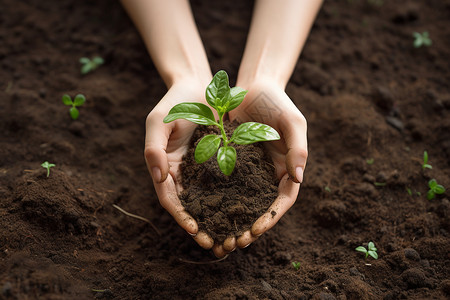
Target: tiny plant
(327, 189)
(77, 101)
(425, 164)
(89, 65)
(223, 99)
(296, 265)
(435, 189)
(370, 161)
(47, 165)
(408, 190)
(371, 250)
(421, 39)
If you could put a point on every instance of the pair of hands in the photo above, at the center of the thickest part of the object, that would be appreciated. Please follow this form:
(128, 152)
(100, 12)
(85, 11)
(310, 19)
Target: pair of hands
(165, 145)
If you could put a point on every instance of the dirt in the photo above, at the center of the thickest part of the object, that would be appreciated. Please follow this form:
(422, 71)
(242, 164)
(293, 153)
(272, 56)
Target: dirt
(227, 205)
(366, 92)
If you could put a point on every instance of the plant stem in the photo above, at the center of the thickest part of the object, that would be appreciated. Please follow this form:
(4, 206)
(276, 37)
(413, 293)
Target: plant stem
(222, 130)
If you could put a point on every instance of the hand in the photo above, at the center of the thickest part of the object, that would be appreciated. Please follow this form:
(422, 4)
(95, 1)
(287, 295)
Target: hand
(165, 145)
(267, 103)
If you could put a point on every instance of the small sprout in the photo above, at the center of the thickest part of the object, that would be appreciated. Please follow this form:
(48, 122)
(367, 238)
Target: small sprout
(327, 188)
(435, 189)
(408, 190)
(78, 101)
(421, 39)
(47, 166)
(296, 265)
(371, 250)
(425, 164)
(90, 64)
(380, 184)
(370, 161)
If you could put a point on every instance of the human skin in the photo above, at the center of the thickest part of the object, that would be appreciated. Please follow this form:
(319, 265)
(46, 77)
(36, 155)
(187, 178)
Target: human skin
(169, 32)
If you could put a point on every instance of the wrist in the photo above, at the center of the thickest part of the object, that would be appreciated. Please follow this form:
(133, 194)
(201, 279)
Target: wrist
(248, 78)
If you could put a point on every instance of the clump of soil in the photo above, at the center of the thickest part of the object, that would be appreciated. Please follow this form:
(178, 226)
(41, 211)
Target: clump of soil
(227, 205)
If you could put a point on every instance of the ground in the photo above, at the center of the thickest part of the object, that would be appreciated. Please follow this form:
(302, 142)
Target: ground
(373, 103)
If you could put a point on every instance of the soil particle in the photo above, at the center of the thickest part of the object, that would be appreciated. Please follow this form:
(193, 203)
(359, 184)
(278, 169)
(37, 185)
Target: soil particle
(412, 254)
(415, 278)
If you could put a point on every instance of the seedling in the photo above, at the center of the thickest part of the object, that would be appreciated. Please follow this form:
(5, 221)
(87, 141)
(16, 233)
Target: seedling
(421, 39)
(379, 184)
(435, 189)
(296, 265)
(78, 101)
(47, 166)
(371, 250)
(408, 190)
(327, 188)
(89, 65)
(425, 164)
(223, 99)
(370, 161)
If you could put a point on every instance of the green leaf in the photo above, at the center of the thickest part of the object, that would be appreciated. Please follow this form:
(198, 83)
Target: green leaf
(67, 100)
(373, 254)
(361, 249)
(206, 148)
(74, 113)
(226, 158)
(98, 60)
(439, 189)
(86, 68)
(418, 42)
(237, 95)
(430, 195)
(84, 60)
(432, 183)
(197, 113)
(370, 245)
(79, 100)
(218, 91)
(425, 157)
(252, 132)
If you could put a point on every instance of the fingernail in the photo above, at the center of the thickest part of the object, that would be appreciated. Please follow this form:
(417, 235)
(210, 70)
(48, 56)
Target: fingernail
(192, 234)
(156, 174)
(299, 174)
(246, 245)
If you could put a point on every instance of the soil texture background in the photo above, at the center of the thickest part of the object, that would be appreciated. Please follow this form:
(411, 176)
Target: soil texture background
(373, 103)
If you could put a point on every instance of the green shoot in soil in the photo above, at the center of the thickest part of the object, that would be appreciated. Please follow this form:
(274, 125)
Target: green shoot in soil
(89, 65)
(421, 39)
(435, 189)
(371, 250)
(425, 164)
(327, 189)
(78, 101)
(379, 184)
(296, 265)
(223, 99)
(47, 166)
(408, 190)
(370, 161)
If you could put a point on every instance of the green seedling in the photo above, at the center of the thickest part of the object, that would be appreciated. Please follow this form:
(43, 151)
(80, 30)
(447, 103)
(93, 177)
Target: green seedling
(296, 265)
(89, 65)
(223, 99)
(327, 189)
(78, 101)
(421, 39)
(379, 184)
(47, 166)
(408, 190)
(425, 164)
(370, 161)
(435, 189)
(371, 250)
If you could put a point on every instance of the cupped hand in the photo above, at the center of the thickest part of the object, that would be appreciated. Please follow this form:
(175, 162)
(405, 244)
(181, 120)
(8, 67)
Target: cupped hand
(267, 103)
(165, 145)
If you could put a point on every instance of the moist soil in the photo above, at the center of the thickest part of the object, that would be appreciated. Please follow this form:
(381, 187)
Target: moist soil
(373, 103)
(227, 205)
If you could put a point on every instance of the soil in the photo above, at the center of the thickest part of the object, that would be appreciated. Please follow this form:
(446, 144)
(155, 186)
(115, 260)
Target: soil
(366, 92)
(227, 205)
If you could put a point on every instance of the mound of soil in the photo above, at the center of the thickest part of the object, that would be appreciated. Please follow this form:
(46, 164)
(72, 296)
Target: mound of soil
(227, 205)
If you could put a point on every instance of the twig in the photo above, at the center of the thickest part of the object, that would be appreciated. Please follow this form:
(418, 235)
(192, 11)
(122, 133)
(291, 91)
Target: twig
(139, 218)
(203, 262)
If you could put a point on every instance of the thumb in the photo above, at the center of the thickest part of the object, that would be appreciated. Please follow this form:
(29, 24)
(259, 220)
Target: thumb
(156, 139)
(294, 132)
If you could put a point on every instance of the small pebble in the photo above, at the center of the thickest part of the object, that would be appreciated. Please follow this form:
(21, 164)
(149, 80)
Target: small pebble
(412, 254)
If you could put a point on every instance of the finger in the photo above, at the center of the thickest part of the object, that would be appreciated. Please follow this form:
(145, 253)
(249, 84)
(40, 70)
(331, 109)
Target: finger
(156, 137)
(204, 240)
(229, 244)
(218, 250)
(168, 198)
(246, 239)
(287, 194)
(294, 133)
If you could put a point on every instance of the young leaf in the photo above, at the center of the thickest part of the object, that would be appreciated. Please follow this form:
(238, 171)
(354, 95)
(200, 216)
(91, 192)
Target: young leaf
(66, 99)
(74, 113)
(206, 148)
(84, 60)
(195, 112)
(226, 158)
(98, 60)
(373, 254)
(252, 132)
(218, 91)
(86, 68)
(430, 195)
(425, 157)
(79, 100)
(432, 183)
(361, 249)
(237, 95)
(439, 189)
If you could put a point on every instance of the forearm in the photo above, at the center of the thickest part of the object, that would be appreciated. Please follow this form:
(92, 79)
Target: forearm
(277, 35)
(171, 37)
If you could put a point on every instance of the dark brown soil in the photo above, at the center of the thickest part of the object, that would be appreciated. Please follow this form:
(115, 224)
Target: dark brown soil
(366, 92)
(227, 205)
